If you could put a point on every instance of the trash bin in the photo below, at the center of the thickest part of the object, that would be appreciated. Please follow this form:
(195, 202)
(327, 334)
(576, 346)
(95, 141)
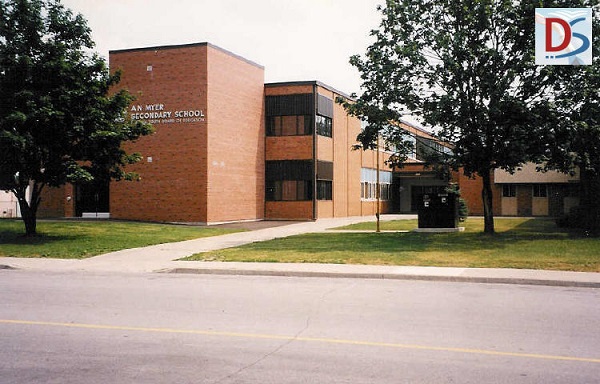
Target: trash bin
(438, 210)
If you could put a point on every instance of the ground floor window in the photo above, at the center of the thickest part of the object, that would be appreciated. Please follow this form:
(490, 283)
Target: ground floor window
(324, 190)
(289, 180)
(509, 190)
(540, 190)
(368, 184)
(289, 190)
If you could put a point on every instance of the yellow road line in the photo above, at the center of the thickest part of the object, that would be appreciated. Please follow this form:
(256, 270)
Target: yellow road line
(303, 339)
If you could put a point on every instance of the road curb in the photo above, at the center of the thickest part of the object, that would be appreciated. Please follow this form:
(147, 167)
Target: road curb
(385, 276)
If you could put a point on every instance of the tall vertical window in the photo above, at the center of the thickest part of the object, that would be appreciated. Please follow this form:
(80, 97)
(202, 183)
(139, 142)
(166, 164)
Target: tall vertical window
(324, 190)
(324, 126)
(324, 180)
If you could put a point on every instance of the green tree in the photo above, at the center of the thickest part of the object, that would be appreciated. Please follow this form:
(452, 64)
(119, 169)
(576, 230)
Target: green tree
(465, 68)
(58, 123)
(574, 134)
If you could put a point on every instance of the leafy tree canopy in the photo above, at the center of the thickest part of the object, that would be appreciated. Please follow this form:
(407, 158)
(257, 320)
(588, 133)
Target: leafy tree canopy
(465, 68)
(58, 121)
(574, 133)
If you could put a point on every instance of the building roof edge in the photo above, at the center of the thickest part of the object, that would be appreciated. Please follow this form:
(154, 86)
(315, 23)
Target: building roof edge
(189, 45)
(310, 82)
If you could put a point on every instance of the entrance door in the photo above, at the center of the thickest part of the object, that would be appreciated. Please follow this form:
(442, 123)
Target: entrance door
(92, 198)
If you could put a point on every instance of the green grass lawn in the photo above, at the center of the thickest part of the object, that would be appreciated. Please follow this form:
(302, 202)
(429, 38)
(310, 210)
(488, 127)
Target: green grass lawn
(76, 239)
(519, 243)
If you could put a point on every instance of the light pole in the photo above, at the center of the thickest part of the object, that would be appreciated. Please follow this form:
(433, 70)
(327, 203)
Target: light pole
(378, 188)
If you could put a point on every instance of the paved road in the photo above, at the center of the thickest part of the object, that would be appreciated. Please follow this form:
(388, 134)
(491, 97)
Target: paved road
(157, 328)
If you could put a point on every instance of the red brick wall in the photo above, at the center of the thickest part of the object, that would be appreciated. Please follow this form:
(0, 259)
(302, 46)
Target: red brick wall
(236, 138)
(289, 148)
(276, 90)
(173, 185)
(470, 190)
(57, 202)
(294, 210)
(201, 171)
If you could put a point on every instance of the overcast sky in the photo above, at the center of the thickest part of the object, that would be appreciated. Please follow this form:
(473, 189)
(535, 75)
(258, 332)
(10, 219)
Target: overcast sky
(293, 39)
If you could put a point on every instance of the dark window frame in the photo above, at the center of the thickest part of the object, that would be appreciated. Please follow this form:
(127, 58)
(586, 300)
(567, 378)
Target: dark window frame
(324, 190)
(281, 174)
(540, 190)
(324, 126)
(304, 126)
(509, 190)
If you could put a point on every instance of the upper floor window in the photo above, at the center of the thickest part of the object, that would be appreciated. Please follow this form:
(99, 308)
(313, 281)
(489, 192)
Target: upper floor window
(297, 125)
(324, 126)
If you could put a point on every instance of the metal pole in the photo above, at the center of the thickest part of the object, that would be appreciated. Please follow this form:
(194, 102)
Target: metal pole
(377, 187)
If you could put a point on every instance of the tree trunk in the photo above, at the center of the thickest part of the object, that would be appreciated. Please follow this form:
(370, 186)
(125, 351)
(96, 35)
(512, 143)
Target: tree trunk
(29, 208)
(590, 192)
(29, 218)
(488, 207)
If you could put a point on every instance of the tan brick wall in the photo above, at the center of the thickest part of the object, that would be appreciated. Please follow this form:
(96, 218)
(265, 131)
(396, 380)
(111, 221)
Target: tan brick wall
(325, 147)
(347, 163)
(369, 208)
(236, 138)
(342, 187)
(326, 92)
(353, 172)
(57, 202)
(325, 209)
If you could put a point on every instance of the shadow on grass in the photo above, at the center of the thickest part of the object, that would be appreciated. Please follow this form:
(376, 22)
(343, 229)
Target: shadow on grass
(532, 230)
(19, 238)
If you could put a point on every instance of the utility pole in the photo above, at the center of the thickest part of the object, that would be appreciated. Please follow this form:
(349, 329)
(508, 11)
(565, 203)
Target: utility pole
(378, 188)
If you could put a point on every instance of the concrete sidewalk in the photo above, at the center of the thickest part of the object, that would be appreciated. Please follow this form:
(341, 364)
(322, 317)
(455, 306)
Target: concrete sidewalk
(162, 258)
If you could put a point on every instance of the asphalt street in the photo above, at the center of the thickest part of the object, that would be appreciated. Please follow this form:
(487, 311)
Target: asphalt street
(65, 327)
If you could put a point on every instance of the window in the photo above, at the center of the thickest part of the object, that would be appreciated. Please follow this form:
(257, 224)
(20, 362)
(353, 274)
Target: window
(324, 126)
(297, 125)
(509, 190)
(540, 190)
(289, 180)
(289, 190)
(368, 184)
(324, 190)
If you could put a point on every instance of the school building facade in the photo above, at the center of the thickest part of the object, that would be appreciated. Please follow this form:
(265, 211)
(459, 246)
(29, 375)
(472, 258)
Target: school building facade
(228, 147)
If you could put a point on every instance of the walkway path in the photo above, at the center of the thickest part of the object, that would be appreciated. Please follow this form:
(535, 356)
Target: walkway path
(163, 258)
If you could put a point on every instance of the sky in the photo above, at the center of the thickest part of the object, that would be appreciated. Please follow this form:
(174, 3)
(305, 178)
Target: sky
(294, 40)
